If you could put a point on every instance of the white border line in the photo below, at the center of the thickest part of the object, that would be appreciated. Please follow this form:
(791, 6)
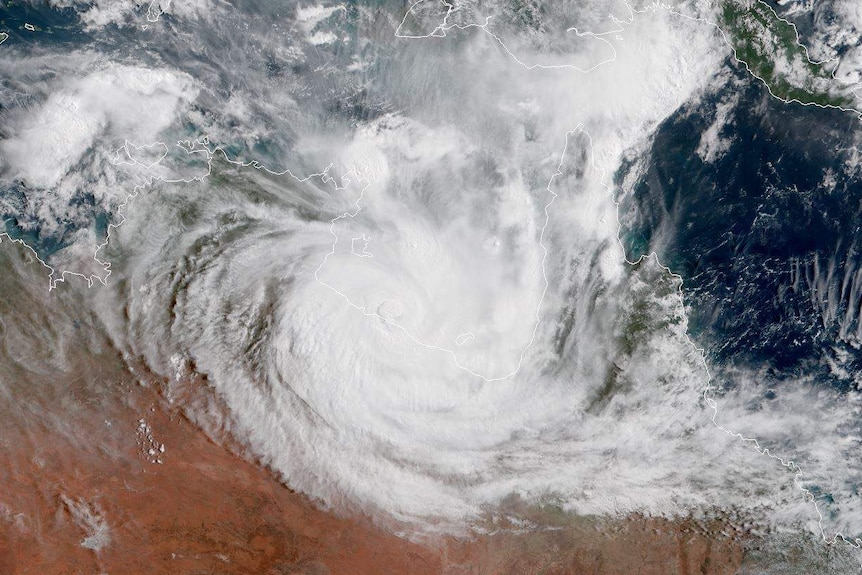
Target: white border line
(451, 352)
(440, 32)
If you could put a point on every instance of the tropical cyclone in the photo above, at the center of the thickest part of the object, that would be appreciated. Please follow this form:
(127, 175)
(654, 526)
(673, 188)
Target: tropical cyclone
(440, 322)
(457, 273)
(372, 395)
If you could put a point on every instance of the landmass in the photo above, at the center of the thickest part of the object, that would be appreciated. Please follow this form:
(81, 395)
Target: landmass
(769, 46)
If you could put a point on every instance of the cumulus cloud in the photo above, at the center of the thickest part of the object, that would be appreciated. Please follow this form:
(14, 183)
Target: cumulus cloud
(443, 317)
(61, 135)
(430, 223)
(97, 14)
(830, 29)
(715, 141)
(110, 104)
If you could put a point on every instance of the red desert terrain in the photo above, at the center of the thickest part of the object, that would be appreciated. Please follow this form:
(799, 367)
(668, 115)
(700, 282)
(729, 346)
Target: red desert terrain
(101, 474)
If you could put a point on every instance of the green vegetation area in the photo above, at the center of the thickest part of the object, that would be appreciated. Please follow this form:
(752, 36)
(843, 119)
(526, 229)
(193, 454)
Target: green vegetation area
(770, 48)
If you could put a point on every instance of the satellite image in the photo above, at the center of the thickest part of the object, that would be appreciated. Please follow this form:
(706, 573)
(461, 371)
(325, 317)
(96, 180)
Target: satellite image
(435, 287)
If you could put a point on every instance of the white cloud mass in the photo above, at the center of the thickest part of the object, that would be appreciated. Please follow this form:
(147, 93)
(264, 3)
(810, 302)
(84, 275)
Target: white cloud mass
(115, 102)
(431, 310)
(387, 407)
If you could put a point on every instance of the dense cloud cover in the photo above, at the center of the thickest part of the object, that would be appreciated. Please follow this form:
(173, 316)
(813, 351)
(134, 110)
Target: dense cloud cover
(389, 243)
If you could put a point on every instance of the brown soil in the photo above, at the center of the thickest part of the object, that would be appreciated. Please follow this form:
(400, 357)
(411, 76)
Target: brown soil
(74, 460)
(204, 510)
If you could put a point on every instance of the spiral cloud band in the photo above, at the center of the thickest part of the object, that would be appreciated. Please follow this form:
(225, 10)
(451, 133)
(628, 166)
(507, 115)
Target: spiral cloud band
(443, 317)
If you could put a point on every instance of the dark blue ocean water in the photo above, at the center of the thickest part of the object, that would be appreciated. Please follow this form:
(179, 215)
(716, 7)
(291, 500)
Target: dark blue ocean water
(53, 26)
(770, 255)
